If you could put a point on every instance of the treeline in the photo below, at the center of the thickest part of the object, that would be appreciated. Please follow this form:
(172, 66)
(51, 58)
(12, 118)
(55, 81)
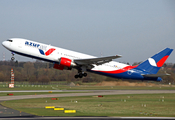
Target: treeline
(43, 72)
(168, 68)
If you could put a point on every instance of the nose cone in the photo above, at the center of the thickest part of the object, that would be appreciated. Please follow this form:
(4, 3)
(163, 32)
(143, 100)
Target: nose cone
(5, 44)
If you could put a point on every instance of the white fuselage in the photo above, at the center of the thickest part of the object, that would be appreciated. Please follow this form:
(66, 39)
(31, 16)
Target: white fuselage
(31, 49)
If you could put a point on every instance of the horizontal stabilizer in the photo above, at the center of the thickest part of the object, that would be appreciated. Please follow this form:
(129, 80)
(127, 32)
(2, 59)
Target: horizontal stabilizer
(155, 75)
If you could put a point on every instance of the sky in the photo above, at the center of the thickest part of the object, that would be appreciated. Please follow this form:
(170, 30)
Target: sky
(135, 29)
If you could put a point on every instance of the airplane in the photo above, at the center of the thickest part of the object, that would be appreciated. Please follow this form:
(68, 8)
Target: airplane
(64, 59)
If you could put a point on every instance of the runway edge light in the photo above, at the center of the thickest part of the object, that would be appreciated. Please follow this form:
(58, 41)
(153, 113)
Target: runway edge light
(69, 111)
(49, 106)
(58, 108)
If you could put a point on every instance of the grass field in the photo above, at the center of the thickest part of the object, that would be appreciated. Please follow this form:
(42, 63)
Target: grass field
(150, 105)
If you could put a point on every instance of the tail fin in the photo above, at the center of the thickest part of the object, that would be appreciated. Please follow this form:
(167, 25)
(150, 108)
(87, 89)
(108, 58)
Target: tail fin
(153, 64)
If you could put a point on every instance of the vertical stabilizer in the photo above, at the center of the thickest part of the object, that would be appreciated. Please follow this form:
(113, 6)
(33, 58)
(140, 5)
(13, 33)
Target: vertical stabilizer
(153, 64)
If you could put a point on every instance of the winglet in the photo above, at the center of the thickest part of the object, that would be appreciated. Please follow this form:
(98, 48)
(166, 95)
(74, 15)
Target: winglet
(118, 56)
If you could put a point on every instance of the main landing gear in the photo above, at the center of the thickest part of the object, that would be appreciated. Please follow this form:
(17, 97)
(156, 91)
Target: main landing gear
(13, 58)
(80, 75)
(81, 72)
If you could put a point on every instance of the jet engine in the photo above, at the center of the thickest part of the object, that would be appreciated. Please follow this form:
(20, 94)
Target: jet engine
(64, 63)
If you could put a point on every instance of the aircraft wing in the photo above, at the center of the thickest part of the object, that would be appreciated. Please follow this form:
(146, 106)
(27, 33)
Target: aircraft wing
(97, 61)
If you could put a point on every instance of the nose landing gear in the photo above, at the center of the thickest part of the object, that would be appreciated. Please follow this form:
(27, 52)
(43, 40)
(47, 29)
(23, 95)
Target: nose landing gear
(13, 58)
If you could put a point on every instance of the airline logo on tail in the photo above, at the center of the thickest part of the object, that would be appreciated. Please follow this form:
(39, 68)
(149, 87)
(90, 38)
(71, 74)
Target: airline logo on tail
(159, 59)
(154, 63)
(159, 63)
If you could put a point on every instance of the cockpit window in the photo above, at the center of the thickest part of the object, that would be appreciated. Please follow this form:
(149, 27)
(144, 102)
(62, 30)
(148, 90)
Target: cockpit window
(10, 40)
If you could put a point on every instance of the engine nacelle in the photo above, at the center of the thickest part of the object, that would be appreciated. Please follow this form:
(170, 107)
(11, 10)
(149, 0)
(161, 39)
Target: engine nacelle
(64, 63)
(61, 67)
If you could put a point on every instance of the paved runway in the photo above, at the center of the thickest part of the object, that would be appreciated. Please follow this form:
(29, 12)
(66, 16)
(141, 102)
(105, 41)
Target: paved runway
(7, 113)
(92, 92)
(90, 118)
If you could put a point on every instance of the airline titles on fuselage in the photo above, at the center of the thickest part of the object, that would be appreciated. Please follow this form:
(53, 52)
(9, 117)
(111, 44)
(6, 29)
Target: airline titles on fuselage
(32, 44)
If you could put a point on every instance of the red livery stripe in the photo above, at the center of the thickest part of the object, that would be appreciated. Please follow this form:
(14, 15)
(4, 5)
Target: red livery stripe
(120, 70)
(49, 51)
(161, 62)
